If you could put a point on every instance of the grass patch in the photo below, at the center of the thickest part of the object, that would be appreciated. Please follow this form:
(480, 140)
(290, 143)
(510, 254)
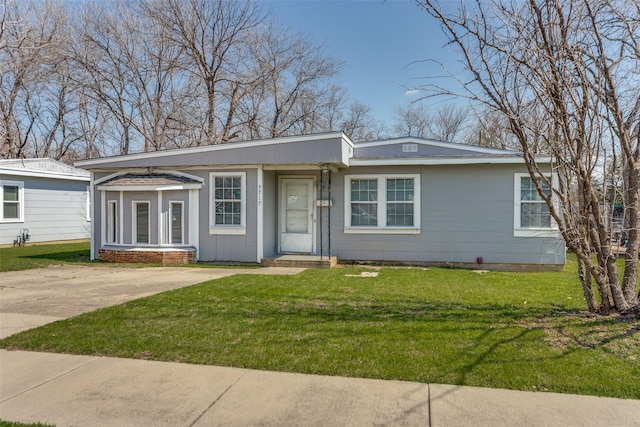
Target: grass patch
(38, 256)
(521, 331)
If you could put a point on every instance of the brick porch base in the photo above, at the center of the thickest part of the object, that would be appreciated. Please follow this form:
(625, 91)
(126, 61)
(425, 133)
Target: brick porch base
(148, 256)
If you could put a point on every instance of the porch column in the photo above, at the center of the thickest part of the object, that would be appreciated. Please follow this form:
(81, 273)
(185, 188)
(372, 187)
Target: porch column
(194, 220)
(260, 219)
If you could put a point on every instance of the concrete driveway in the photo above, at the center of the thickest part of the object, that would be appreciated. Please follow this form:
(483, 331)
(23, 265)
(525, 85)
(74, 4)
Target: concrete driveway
(33, 298)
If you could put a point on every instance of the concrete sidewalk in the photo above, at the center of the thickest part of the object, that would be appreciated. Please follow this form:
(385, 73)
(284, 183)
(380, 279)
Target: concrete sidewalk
(67, 390)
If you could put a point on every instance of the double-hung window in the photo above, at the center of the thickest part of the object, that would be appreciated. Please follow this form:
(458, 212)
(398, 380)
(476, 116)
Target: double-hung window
(532, 217)
(228, 203)
(382, 204)
(12, 196)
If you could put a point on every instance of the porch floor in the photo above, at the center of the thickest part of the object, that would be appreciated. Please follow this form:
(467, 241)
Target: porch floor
(304, 261)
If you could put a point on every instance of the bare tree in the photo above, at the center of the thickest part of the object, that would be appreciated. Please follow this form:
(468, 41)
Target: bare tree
(212, 35)
(27, 48)
(412, 119)
(446, 123)
(297, 80)
(564, 75)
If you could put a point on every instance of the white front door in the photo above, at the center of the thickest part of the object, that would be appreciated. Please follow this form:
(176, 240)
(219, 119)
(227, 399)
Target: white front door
(297, 212)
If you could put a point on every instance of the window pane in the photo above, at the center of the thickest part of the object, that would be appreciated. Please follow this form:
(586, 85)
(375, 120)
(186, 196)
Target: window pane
(228, 213)
(142, 223)
(176, 223)
(10, 211)
(364, 214)
(364, 190)
(10, 193)
(400, 190)
(400, 214)
(535, 215)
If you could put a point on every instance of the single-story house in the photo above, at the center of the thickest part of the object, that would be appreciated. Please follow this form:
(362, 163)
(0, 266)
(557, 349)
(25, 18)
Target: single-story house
(48, 198)
(405, 200)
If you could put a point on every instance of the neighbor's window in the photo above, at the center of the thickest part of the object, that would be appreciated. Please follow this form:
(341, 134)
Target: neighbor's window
(532, 216)
(228, 203)
(141, 222)
(12, 201)
(176, 210)
(382, 203)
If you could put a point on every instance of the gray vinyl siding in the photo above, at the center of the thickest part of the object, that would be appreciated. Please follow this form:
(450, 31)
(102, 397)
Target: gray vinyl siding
(270, 219)
(54, 209)
(466, 213)
(395, 150)
(220, 247)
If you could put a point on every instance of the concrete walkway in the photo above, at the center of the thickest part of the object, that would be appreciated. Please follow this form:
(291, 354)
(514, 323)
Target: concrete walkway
(66, 390)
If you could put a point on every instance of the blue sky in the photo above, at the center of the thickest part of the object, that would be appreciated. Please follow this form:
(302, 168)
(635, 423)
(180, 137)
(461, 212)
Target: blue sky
(381, 43)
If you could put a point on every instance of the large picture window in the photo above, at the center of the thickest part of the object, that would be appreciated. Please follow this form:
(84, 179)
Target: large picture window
(531, 214)
(382, 203)
(12, 196)
(228, 203)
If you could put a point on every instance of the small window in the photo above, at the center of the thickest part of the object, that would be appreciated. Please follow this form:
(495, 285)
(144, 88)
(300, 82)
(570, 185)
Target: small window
(141, 222)
(176, 226)
(382, 204)
(228, 203)
(112, 221)
(532, 217)
(12, 195)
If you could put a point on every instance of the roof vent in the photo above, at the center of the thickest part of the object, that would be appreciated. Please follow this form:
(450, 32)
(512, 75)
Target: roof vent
(409, 148)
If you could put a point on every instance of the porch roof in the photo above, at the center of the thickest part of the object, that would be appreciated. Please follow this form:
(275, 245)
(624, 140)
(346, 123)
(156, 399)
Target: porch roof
(149, 181)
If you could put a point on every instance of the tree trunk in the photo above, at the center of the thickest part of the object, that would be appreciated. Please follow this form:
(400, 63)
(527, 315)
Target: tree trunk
(585, 279)
(630, 278)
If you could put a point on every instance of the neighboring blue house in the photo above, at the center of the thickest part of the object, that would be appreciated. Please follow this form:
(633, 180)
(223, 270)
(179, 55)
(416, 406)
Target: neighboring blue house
(403, 200)
(46, 197)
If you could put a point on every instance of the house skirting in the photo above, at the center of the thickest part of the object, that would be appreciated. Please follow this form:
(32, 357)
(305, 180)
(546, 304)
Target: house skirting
(148, 255)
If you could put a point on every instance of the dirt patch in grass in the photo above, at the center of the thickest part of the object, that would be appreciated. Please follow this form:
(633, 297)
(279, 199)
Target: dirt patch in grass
(615, 334)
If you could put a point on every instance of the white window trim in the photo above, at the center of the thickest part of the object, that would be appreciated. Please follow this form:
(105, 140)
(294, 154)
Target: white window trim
(518, 230)
(20, 185)
(181, 203)
(382, 205)
(134, 221)
(228, 229)
(112, 222)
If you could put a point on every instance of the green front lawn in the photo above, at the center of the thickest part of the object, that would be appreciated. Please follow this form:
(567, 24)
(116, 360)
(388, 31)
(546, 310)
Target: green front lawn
(522, 331)
(38, 256)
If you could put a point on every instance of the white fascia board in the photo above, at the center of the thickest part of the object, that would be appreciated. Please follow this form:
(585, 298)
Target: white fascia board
(432, 142)
(211, 148)
(437, 161)
(38, 174)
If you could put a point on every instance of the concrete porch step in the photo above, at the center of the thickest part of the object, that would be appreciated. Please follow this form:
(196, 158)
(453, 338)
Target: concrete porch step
(301, 261)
